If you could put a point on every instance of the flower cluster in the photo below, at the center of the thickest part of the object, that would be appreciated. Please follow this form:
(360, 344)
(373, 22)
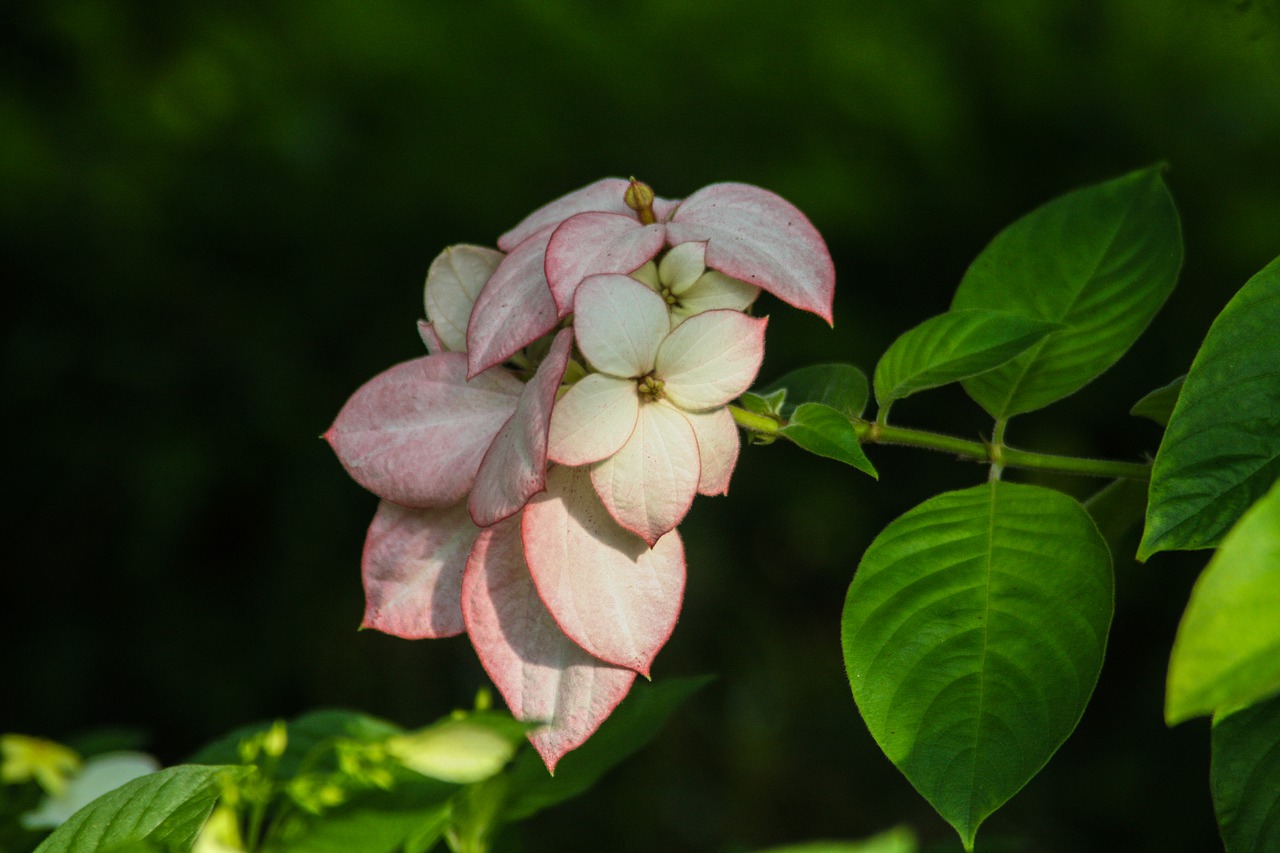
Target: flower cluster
(533, 467)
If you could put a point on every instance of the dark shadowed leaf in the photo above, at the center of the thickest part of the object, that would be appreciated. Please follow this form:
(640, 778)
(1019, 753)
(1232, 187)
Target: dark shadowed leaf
(1158, 405)
(1221, 449)
(1101, 261)
(1245, 778)
(843, 387)
(635, 722)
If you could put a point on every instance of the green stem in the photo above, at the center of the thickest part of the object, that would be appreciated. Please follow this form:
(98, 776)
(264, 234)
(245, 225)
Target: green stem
(873, 433)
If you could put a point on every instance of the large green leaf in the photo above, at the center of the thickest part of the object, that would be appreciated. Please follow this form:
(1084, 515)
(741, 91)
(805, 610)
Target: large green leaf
(973, 634)
(1221, 450)
(823, 431)
(1227, 651)
(1101, 261)
(951, 347)
(164, 809)
(632, 725)
(843, 387)
(1245, 778)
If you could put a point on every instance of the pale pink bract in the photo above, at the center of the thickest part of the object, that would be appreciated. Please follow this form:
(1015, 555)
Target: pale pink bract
(535, 464)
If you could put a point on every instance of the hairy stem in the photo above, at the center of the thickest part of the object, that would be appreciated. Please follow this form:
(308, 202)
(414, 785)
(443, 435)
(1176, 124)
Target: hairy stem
(996, 454)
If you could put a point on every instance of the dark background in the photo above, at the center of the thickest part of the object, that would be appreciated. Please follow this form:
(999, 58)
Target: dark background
(214, 224)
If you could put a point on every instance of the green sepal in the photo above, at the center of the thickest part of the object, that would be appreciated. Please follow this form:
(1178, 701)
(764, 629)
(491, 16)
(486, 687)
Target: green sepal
(823, 431)
(1158, 405)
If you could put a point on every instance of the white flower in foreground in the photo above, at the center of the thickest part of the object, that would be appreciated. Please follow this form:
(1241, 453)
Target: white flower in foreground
(688, 287)
(652, 421)
(100, 775)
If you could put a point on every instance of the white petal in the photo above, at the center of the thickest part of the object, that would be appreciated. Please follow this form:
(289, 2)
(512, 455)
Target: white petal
(454, 280)
(711, 359)
(713, 290)
(718, 445)
(611, 594)
(682, 266)
(413, 562)
(648, 275)
(101, 774)
(542, 674)
(620, 324)
(593, 419)
(648, 485)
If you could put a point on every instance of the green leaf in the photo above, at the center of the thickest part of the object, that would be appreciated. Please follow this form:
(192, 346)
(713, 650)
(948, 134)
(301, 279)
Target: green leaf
(843, 387)
(898, 840)
(1118, 509)
(954, 346)
(377, 821)
(1227, 651)
(764, 404)
(822, 430)
(166, 809)
(635, 722)
(305, 734)
(1245, 778)
(1221, 450)
(973, 634)
(1101, 261)
(1158, 405)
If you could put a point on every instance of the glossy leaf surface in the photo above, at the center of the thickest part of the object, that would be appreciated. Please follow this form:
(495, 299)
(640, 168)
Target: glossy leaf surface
(1227, 652)
(843, 387)
(1101, 261)
(954, 346)
(822, 430)
(1221, 450)
(973, 634)
(166, 808)
(1245, 778)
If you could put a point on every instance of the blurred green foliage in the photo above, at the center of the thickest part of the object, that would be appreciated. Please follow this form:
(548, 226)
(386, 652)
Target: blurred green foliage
(214, 221)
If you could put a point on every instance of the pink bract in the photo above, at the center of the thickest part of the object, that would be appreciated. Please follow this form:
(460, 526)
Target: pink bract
(531, 491)
(541, 673)
(415, 434)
